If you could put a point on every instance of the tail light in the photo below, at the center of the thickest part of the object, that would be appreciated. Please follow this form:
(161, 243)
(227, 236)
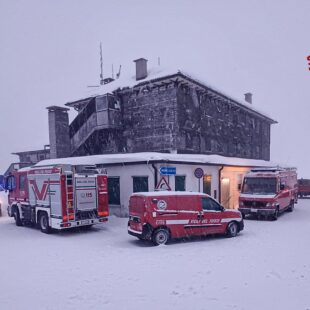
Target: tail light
(103, 213)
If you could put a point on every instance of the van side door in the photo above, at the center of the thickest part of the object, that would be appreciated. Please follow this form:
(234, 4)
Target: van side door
(212, 215)
(190, 212)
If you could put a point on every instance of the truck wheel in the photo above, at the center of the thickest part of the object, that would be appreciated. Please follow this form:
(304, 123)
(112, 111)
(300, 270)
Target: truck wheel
(43, 222)
(291, 207)
(232, 229)
(276, 215)
(160, 236)
(16, 215)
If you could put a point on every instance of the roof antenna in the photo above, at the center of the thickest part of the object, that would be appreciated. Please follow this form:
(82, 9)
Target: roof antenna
(101, 65)
(158, 61)
(112, 72)
(119, 72)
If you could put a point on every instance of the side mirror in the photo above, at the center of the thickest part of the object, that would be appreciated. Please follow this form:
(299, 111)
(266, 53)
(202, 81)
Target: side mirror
(222, 208)
(282, 186)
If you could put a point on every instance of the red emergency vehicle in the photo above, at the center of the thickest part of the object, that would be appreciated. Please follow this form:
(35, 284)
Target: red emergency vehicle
(268, 192)
(303, 187)
(57, 197)
(159, 216)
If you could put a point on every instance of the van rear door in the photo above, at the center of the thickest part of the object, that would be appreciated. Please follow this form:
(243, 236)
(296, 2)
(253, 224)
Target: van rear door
(136, 212)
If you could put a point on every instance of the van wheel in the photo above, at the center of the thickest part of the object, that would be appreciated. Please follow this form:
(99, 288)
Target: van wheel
(232, 229)
(44, 225)
(291, 207)
(16, 215)
(160, 236)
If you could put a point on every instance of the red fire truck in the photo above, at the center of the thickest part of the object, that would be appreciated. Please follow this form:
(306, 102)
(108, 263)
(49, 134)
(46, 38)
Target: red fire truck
(303, 187)
(57, 197)
(159, 216)
(268, 192)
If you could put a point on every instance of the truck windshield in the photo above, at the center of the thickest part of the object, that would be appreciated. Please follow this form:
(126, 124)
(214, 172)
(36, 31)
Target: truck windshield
(259, 186)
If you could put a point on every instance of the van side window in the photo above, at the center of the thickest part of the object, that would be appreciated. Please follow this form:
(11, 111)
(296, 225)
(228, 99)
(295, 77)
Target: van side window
(210, 205)
(22, 182)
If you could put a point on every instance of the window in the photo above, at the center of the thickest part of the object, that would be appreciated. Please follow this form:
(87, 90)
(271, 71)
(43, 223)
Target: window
(11, 184)
(22, 182)
(114, 191)
(180, 183)
(140, 184)
(209, 204)
(101, 103)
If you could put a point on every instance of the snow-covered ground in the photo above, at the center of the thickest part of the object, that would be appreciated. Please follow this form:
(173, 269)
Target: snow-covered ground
(266, 267)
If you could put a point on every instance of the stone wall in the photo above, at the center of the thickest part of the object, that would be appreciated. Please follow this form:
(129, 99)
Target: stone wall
(177, 116)
(212, 125)
(150, 119)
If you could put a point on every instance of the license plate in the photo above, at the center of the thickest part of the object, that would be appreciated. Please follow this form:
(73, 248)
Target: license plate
(85, 222)
(254, 210)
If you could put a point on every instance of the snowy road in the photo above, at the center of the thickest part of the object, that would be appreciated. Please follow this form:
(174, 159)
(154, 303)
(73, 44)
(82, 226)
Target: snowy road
(266, 267)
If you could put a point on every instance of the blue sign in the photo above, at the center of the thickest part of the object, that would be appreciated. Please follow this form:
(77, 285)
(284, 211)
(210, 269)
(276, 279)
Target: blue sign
(168, 170)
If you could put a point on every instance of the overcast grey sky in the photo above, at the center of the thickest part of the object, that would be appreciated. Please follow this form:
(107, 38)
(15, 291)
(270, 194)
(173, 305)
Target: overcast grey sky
(49, 52)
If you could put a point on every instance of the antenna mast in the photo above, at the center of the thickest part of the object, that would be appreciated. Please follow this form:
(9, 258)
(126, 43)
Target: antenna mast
(101, 65)
(119, 72)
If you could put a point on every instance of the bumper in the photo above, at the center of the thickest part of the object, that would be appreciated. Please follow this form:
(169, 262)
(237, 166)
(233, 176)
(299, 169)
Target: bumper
(261, 211)
(70, 224)
(241, 225)
(145, 234)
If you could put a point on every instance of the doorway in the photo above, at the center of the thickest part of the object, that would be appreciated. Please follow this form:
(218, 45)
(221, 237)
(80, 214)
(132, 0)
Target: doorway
(225, 192)
(207, 179)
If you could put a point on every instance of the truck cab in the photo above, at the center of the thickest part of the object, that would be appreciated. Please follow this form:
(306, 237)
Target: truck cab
(268, 192)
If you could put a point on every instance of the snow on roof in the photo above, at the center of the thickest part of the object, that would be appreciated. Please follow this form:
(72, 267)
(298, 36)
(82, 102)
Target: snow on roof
(125, 158)
(168, 193)
(155, 74)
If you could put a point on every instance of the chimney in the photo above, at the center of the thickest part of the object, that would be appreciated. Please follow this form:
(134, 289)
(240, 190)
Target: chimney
(141, 68)
(248, 97)
(58, 123)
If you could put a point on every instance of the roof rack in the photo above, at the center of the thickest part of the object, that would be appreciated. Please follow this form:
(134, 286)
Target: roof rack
(272, 169)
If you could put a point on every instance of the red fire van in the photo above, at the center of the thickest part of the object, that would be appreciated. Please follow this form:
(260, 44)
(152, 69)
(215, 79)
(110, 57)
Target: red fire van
(268, 192)
(159, 216)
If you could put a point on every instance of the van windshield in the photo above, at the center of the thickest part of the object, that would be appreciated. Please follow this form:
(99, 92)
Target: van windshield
(259, 186)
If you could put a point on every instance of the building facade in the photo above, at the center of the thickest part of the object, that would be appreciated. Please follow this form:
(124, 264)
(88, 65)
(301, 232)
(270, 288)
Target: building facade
(170, 112)
(220, 177)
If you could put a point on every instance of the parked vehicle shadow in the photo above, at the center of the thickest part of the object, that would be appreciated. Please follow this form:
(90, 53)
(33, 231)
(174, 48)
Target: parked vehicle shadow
(176, 241)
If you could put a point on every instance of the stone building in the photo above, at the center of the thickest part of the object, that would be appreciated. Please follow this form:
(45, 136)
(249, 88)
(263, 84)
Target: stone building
(169, 112)
(32, 157)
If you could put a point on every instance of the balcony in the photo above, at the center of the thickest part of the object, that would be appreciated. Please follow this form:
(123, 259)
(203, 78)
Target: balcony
(102, 112)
